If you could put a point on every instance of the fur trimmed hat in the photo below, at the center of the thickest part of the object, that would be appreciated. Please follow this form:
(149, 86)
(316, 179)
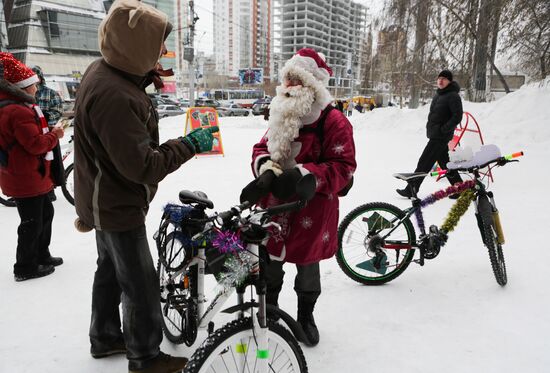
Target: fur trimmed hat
(311, 61)
(16, 72)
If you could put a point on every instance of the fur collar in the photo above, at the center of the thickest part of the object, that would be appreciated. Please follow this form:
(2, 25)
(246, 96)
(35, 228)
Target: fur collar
(16, 92)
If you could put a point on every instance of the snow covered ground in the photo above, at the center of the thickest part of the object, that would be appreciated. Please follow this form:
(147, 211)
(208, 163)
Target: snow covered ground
(449, 315)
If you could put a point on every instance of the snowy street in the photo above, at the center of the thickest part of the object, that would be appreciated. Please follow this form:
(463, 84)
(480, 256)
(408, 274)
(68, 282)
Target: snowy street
(449, 315)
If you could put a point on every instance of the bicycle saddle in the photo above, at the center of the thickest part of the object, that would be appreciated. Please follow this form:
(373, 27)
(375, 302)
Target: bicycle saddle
(409, 176)
(186, 196)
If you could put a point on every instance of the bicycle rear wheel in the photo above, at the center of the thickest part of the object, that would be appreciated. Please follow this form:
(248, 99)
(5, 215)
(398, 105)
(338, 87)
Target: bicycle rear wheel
(177, 306)
(68, 187)
(232, 348)
(361, 231)
(6, 201)
(490, 239)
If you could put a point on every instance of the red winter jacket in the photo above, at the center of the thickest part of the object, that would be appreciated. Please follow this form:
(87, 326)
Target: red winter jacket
(20, 132)
(310, 234)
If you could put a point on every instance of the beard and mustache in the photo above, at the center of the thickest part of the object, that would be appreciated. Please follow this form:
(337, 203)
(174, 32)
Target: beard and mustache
(286, 110)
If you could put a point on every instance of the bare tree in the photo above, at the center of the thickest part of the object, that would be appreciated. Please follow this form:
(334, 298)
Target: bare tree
(528, 35)
(421, 37)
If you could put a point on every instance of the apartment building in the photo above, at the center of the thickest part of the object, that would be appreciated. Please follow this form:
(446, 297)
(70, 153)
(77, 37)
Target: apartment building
(335, 28)
(243, 36)
(61, 36)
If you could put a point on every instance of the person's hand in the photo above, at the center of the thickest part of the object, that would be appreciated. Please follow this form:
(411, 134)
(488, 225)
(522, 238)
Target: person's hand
(201, 139)
(58, 131)
(284, 186)
(258, 188)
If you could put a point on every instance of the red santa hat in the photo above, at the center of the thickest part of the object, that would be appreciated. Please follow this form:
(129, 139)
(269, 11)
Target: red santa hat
(310, 61)
(16, 72)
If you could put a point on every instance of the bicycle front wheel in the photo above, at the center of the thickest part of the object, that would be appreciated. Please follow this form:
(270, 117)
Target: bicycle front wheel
(6, 201)
(490, 239)
(232, 348)
(68, 187)
(362, 230)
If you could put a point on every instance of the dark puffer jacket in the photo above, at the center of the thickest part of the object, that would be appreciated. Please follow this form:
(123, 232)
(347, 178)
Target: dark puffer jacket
(445, 113)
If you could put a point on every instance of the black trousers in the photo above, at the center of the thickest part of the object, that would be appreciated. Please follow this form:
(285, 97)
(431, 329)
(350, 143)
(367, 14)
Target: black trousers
(307, 283)
(435, 151)
(34, 232)
(125, 272)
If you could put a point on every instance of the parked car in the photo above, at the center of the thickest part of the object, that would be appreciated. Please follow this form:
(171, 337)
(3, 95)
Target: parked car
(207, 102)
(259, 106)
(230, 110)
(169, 110)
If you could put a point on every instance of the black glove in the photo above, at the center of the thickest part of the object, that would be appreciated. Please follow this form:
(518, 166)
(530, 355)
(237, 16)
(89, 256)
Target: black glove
(284, 187)
(258, 188)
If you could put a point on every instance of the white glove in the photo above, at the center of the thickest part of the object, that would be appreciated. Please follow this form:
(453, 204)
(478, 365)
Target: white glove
(270, 165)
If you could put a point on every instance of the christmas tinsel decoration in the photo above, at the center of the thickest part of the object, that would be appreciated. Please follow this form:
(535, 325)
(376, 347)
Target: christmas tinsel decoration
(226, 242)
(440, 194)
(176, 213)
(236, 269)
(456, 212)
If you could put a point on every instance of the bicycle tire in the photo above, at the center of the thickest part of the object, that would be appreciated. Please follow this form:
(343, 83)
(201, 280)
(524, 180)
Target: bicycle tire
(227, 340)
(68, 187)
(6, 201)
(178, 325)
(490, 240)
(351, 254)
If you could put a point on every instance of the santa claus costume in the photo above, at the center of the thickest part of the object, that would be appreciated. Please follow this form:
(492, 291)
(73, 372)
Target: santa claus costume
(305, 136)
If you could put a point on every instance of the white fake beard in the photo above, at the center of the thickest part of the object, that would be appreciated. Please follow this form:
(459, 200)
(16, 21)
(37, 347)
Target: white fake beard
(286, 110)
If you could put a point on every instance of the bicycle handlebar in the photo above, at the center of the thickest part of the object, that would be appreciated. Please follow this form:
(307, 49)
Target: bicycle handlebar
(501, 161)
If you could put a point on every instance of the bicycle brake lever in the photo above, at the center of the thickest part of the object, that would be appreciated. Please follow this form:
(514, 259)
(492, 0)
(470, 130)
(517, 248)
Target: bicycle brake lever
(272, 224)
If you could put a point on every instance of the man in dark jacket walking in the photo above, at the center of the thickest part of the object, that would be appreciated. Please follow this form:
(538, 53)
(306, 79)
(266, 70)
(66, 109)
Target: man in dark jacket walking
(118, 165)
(445, 115)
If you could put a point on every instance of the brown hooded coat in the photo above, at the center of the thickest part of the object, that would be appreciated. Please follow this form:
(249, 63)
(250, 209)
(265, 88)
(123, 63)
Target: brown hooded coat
(118, 158)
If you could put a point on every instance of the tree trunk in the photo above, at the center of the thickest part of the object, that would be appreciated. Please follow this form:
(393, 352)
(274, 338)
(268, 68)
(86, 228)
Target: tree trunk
(480, 59)
(421, 38)
(496, 12)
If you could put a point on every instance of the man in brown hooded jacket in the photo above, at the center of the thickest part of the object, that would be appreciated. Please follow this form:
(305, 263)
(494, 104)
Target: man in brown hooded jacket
(118, 164)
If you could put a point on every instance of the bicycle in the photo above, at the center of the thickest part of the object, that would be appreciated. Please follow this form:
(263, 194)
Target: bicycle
(377, 241)
(227, 245)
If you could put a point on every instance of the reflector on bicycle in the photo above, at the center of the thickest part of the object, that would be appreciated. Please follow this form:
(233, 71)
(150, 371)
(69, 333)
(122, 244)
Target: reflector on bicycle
(377, 222)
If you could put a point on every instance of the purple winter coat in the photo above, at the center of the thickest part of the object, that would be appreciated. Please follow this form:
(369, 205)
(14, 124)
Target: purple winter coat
(310, 234)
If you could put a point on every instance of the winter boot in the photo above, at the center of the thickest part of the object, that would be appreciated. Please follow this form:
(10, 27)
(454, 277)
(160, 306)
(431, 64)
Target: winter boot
(163, 363)
(305, 318)
(101, 350)
(40, 271)
(51, 260)
(272, 299)
(405, 192)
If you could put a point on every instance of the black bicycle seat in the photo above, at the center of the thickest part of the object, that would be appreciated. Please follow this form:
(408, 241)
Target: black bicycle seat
(409, 176)
(186, 196)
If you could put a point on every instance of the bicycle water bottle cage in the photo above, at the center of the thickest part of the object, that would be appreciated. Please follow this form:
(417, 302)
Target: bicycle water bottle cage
(199, 198)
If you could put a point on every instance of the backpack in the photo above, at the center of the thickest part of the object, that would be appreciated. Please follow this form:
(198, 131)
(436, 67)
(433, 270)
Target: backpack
(319, 131)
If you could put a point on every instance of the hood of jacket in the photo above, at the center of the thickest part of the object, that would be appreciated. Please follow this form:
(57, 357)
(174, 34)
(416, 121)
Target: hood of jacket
(131, 35)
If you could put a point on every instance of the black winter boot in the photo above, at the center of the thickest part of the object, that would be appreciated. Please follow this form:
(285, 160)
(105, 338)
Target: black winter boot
(306, 320)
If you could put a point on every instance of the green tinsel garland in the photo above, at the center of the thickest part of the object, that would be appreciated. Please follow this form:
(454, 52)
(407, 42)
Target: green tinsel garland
(458, 209)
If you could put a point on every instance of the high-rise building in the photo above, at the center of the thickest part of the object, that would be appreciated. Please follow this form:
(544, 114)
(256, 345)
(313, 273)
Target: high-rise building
(61, 37)
(243, 36)
(335, 28)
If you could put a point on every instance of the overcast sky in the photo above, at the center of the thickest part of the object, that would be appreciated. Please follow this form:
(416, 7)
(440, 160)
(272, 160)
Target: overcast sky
(204, 35)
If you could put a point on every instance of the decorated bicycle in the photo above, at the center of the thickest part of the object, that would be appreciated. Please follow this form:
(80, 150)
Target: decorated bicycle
(377, 241)
(228, 245)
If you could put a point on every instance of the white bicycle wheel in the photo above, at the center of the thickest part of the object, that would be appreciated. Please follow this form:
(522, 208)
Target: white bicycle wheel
(232, 348)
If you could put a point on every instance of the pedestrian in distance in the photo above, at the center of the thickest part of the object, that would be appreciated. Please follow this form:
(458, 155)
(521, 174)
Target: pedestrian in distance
(26, 143)
(51, 105)
(118, 165)
(445, 114)
(306, 134)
